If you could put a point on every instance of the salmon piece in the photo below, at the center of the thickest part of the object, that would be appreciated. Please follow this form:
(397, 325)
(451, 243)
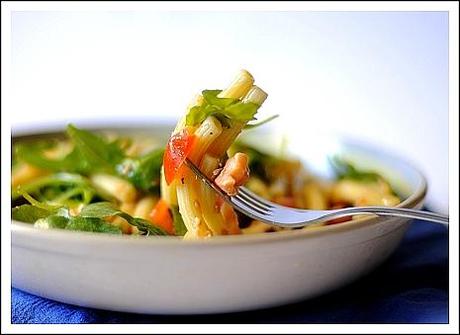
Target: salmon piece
(234, 174)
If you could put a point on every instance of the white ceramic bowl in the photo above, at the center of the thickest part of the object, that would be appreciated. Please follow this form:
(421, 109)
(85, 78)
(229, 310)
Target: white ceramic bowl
(165, 275)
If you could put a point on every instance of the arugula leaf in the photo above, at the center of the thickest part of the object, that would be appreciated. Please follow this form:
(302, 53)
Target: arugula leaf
(241, 111)
(91, 224)
(42, 214)
(29, 213)
(195, 116)
(106, 209)
(91, 153)
(179, 226)
(259, 123)
(35, 156)
(65, 182)
(97, 152)
(99, 210)
(211, 96)
(145, 226)
(52, 221)
(42, 205)
(96, 225)
(230, 109)
(86, 194)
(46, 216)
(345, 170)
(143, 172)
(64, 221)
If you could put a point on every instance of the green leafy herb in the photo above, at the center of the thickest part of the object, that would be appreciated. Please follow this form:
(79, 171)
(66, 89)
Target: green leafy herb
(60, 186)
(179, 226)
(35, 156)
(96, 152)
(241, 111)
(146, 227)
(211, 98)
(96, 225)
(90, 153)
(29, 213)
(106, 209)
(345, 170)
(52, 221)
(38, 211)
(42, 205)
(262, 122)
(99, 210)
(91, 218)
(85, 193)
(143, 172)
(223, 108)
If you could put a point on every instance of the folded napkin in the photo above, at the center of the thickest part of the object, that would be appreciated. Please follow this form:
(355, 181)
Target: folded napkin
(410, 287)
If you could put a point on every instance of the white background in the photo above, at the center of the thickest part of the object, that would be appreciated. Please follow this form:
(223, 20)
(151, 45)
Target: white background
(381, 77)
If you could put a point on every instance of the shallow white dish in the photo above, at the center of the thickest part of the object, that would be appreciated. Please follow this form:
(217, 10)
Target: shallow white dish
(165, 275)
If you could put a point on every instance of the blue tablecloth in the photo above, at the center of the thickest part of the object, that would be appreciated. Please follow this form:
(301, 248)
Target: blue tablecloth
(410, 287)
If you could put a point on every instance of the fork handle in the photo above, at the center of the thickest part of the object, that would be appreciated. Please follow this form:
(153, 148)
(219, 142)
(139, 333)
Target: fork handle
(394, 211)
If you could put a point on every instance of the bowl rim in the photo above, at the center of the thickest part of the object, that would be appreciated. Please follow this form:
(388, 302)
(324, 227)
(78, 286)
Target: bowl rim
(415, 198)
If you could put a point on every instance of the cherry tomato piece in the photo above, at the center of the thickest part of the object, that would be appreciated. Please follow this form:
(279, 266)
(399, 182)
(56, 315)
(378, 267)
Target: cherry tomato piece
(177, 149)
(161, 216)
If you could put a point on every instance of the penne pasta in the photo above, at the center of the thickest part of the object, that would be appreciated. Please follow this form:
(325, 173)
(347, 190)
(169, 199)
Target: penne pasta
(189, 197)
(203, 213)
(119, 188)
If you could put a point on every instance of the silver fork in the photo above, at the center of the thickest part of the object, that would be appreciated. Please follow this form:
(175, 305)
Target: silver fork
(263, 210)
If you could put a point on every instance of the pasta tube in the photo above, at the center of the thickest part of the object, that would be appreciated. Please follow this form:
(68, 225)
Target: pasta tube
(119, 188)
(213, 121)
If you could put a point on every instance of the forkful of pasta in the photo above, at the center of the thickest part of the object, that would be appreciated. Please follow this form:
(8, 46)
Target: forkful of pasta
(205, 186)
(211, 124)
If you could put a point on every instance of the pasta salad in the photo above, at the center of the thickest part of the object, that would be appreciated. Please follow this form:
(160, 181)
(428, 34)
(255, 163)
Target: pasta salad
(112, 183)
